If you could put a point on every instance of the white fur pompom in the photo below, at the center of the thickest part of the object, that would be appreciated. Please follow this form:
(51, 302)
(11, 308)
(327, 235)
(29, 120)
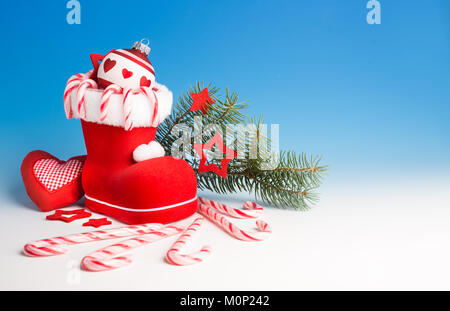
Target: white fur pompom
(148, 151)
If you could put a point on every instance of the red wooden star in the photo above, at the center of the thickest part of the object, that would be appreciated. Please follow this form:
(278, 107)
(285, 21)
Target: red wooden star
(230, 155)
(97, 222)
(202, 101)
(77, 214)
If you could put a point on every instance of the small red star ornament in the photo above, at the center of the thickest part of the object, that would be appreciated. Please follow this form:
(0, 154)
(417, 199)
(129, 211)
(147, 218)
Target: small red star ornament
(97, 222)
(77, 214)
(230, 154)
(202, 101)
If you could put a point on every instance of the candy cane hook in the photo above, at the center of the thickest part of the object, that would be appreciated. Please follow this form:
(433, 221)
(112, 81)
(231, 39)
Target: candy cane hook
(128, 108)
(73, 82)
(81, 95)
(153, 101)
(106, 258)
(174, 256)
(263, 228)
(251, 209)
(54, 246)
(110, 90)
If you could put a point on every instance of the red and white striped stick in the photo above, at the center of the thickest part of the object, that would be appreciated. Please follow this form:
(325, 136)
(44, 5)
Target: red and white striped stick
(72, 83)
(174, 256)
(128, 108)
(54, 246)
(263, 228)
(251, 209)
(111, 89)
(81, 94)
(106, 258)
(153, 101)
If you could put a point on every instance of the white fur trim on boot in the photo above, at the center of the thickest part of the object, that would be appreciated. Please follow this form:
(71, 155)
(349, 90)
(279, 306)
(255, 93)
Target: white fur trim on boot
(148, 151)
(141, 114)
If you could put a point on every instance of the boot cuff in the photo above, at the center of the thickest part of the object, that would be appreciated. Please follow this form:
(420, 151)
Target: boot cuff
(115, 114)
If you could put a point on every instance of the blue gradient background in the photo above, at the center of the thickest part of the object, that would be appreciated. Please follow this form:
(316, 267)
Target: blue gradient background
(373, 100)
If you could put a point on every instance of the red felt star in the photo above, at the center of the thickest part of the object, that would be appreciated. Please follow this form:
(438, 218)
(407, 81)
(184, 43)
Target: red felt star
(97, 222)
(202, 101)
(230, 155)
(77, 214)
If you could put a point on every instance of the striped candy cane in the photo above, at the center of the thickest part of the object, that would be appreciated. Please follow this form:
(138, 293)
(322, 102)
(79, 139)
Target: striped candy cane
(263, 228)
(174, 256)
(81, 94)
(72, 83)
(128, 108)
(153, 101)
(54, 246)
(107, 259)
(111, 89)
(251, 209)
(128, 105)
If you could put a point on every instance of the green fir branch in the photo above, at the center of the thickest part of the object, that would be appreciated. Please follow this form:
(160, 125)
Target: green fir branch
(292, 183)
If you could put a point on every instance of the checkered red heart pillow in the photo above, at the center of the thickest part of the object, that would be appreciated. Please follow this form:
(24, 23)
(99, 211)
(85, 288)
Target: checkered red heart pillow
(53, 174)
(50, 182)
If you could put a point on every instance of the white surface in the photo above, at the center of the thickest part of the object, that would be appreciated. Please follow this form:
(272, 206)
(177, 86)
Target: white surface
(372, 237)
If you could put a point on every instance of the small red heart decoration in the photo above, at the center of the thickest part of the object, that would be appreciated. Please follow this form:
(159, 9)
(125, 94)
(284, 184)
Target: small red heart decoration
(108, 65)
(126, 73)
(50, 182)
(145, 82)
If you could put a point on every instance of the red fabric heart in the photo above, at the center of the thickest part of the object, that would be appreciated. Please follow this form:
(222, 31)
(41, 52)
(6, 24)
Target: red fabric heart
(126, 73)
(145, 82)
(109, 64)
(50, 182)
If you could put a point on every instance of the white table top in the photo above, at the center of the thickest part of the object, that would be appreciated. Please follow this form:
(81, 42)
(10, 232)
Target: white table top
(359, 237)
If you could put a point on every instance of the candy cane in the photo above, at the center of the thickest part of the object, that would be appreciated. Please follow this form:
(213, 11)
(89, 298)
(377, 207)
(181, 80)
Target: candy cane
(73, 82)
(251, 209)
(263, 228)
(152, 101)
(128, 108)
(174, 256)
(54, 246)
(111, 89)
(81, 94)
(107, 259)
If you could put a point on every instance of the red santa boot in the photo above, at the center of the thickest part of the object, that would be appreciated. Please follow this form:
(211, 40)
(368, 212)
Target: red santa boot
(126, 174)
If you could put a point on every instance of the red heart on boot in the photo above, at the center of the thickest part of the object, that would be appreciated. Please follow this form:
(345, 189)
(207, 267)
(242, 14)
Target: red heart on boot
(50, 182)
(109, 64)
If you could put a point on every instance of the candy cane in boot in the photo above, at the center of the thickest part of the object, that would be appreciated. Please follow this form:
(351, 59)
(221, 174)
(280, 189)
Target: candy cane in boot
(263, 228)
(106, 258)
(81, 95)
(251, 209)
(73, 83)
(174, 256)
(54, 246)
(110, 90)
